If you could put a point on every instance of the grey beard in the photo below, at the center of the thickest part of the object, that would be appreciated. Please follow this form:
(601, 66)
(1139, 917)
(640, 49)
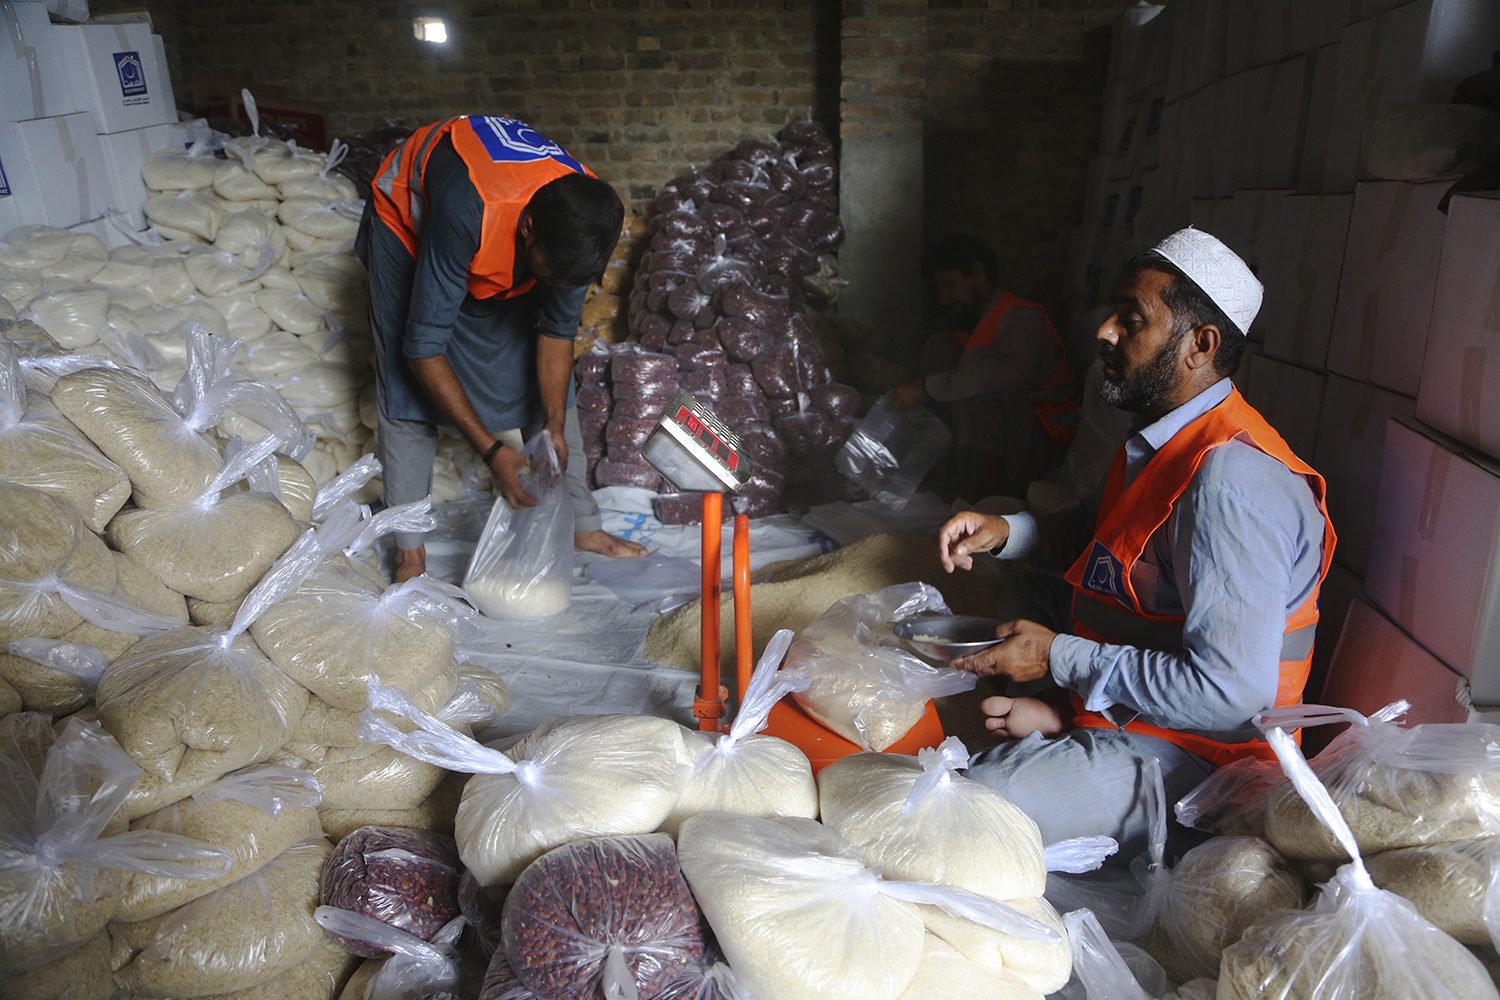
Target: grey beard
(1145, 390)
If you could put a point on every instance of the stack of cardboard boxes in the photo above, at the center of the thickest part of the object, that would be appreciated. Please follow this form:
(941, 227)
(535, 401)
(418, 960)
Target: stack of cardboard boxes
(81, 105)
(1245, 118)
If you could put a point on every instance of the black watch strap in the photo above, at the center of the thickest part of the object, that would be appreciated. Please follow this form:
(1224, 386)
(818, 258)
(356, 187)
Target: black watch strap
(494, 449)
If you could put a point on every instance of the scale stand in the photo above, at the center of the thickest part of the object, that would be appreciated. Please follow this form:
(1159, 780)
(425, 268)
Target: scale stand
(696, 452)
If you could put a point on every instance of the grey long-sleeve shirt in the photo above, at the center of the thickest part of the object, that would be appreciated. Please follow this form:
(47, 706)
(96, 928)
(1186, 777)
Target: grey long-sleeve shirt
(1240, 552)
(421, 308)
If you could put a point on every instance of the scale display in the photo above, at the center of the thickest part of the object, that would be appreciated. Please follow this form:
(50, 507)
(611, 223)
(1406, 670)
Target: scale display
(693, 449)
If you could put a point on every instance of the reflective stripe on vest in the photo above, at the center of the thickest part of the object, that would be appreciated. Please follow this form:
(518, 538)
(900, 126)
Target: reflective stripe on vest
(1106, 607)
(1055, 401)
(507, 161)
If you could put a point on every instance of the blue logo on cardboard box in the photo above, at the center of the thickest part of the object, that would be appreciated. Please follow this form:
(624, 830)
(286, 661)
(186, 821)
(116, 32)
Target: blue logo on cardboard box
(4, 183)
(132, 74)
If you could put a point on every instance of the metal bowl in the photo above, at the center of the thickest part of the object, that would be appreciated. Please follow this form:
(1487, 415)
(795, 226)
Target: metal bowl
(945, 638)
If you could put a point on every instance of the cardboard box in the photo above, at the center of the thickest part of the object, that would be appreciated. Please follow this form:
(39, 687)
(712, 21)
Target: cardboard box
(1415, 52)
(1275, 104)
(1435, 566)
(1199, 40)
(1290, 399)
(1350, 443)
(53, 170)
(1339, 590)
(1386, 288)
(33, 74)
(1375, 663)
(164, 78)
(115, 75)
(76, 11)
(124, 152)
(1131, 44)
(1250, 230)
(1322, 92)
(1262, 32)
(1301, 273)
(1460, 391)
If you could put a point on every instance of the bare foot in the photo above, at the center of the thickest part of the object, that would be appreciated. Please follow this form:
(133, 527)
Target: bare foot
(607, 545)
(410, 563)
(1017, 718)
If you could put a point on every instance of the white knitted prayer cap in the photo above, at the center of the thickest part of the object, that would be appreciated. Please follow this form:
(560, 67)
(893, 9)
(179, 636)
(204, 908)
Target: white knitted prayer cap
(1218, 271)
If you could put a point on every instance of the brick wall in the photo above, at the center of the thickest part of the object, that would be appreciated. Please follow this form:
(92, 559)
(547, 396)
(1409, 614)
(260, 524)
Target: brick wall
(640, 88)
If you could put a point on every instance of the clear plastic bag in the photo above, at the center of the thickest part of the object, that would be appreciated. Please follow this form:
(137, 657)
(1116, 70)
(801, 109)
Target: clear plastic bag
(609, 916)
(1102, 973)
(234, 938)
(522, 566)
(1356, 941)
(741, 771)
(64, 852)
(406, 879)
(891, 451)
(40, 449)
(771, 889)
(252, 815)
(864, 685)
(580, 777)
(1078, 855)
(415, 970)
(1456, 887)
(46, 553)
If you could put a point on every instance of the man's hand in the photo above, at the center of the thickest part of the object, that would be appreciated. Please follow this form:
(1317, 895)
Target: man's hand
(505, 469)
(1021, 657)
(909, 395)
(554, 429)
(967, 533)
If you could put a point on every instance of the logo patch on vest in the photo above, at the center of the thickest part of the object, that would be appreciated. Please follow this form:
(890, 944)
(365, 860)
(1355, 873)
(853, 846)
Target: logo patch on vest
(1104, 574)
(510, 140)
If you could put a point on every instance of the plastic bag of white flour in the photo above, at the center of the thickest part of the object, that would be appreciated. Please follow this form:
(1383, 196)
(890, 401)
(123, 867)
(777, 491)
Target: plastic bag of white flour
(277, 162)
(189, 215)
(1356, 942)
(66, 854)
(742, 771)
(45, 552)
(192, 705)
(233, 938)
(73, 316)
(169, 463)
(864, 686)
(322, 220)
(945, 974)
(799, 916)
(326, 185)
(587, 776)
(40, 449)
(252, 815)
(190, 169)
(522, 566)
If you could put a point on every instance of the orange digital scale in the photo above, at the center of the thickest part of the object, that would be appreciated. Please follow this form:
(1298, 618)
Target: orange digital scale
(696, 452)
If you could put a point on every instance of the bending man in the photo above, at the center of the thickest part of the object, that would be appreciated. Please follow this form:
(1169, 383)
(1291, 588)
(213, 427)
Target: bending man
(1194, 575)
(481, 238)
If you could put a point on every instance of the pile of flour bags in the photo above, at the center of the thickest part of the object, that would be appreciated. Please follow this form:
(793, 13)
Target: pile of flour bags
(249, 237)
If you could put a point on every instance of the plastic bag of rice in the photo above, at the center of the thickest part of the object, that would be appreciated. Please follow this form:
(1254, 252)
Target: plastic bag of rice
(40, 449)
(81, 974)
(192, 705)
(322, 975)
(67, 854)
(799, 916)
(580, 777)
(1356, 941)
(1216, 890)
(1395, 786)
(234, 938)
(252, 815)
(46, 552)
(218, 546)
(1454, 886)
(863, 686)
(434, 813)
(169, 463)
(741, 771)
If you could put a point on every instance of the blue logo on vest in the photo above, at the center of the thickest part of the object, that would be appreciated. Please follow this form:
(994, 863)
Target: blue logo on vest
(132, 75)
(510, 140)
(1103, 573)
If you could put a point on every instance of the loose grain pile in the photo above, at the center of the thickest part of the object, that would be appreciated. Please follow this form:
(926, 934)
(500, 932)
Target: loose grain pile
(794, 594)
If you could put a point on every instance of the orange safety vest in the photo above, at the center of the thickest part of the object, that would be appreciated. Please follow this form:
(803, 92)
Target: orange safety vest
(508, 162)
(1105, 605)
(1055, 402)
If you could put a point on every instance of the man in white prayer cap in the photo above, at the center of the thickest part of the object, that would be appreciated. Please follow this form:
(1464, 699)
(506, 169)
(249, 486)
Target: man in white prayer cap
(1194, 572)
